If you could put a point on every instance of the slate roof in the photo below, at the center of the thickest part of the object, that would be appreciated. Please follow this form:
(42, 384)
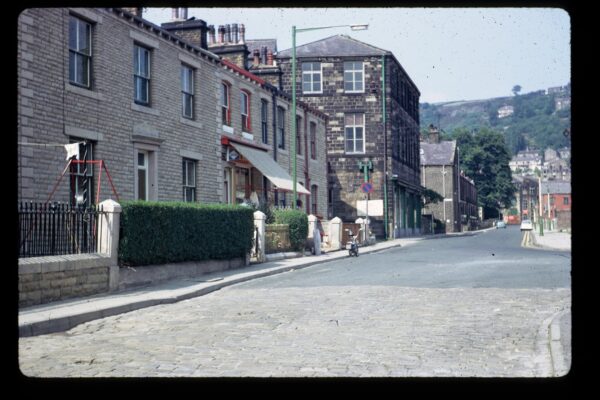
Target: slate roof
(334, 46)
(438, 153)
(556, 187)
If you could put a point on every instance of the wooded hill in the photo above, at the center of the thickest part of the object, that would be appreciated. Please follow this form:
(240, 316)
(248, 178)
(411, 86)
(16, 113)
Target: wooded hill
(536, 121)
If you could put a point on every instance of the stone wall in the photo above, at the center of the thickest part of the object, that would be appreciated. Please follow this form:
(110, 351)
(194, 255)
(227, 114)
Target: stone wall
(277, 238)
(46, 279)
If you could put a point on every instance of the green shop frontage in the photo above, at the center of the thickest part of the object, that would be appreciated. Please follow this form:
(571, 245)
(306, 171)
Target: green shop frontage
(407, 211)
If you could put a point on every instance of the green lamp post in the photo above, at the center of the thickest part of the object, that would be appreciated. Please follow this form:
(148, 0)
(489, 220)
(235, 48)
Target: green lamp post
(356, 27)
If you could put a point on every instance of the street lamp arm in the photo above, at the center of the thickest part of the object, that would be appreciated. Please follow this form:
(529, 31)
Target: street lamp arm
(357, 27)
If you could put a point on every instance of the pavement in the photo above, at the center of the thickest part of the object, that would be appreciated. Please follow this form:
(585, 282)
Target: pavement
(63, 315)
(552, 240)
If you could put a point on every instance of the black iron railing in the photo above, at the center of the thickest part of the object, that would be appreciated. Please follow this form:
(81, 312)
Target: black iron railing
(56, 229)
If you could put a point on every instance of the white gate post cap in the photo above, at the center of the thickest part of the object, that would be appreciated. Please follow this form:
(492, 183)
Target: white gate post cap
(259, 215)
(111, 206)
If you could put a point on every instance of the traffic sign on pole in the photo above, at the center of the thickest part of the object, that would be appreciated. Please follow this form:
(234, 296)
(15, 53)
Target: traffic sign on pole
(366, 187)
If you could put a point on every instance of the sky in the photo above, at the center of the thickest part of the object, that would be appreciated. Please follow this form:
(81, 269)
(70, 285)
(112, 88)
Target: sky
(451, 54)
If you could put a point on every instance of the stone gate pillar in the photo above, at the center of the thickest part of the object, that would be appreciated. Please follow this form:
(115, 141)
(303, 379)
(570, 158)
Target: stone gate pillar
(260, 222)
(108, 239)
(335, 233)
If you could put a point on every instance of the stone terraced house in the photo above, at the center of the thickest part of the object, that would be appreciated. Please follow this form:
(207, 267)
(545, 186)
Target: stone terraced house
(171, 119)
(440, 163)
(372, 122)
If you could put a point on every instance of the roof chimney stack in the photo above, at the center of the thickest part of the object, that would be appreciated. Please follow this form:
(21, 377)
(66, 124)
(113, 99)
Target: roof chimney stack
(192, 30)
(434, 134)
(137, 11)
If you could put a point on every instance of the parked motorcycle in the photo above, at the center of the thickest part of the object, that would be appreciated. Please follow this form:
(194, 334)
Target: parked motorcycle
(352, 244)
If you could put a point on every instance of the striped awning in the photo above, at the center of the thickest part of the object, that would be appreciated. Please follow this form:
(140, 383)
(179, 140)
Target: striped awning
(269, 168)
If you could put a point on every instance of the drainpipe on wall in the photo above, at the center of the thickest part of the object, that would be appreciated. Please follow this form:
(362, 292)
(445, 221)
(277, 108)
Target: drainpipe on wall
(384, 98)
(274, 101)
(306, 174)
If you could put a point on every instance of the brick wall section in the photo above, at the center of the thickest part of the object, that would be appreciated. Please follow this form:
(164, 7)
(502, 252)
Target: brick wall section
(52, 111)
(344, 176)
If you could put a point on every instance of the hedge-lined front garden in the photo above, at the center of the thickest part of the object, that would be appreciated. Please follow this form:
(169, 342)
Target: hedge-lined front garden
(166, 232)
(298, 223)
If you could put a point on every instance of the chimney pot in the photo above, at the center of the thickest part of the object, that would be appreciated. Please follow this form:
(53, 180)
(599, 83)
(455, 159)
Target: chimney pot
(269, 57)
(234, 33)
(228, 33)
(256, 54)
(242, 33)
(221, 34)
(211, 34)
(263, 54)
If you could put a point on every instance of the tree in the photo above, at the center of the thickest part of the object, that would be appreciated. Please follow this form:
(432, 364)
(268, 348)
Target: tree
(484, 157)
(516, 89)
(431, 196)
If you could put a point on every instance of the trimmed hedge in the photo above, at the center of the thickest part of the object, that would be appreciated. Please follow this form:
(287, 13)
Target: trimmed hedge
(165, 232)
(298, 223)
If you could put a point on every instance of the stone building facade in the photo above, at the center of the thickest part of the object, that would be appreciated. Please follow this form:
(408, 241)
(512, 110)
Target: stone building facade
(149, 104)
(369, 123)
(441, 173)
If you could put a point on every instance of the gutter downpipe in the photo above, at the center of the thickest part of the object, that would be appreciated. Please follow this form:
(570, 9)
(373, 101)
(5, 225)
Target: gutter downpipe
(306, 168)
(385, 199)
(275, 146)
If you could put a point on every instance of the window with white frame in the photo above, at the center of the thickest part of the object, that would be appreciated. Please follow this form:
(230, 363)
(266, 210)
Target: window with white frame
(225, 110)
(312, 77)
(280, 128)
(142, 175)
(354, 128)
(189, 180)
(354, 77)
(141, 74)
(245, 110)
(187, 91)
(80, 52)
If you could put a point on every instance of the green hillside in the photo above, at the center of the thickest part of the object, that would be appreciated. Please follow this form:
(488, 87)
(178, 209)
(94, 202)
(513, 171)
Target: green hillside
(536, 121)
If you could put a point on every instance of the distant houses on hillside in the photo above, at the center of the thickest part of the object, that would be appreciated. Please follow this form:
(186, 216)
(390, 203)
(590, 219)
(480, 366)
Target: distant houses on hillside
(553, 165)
